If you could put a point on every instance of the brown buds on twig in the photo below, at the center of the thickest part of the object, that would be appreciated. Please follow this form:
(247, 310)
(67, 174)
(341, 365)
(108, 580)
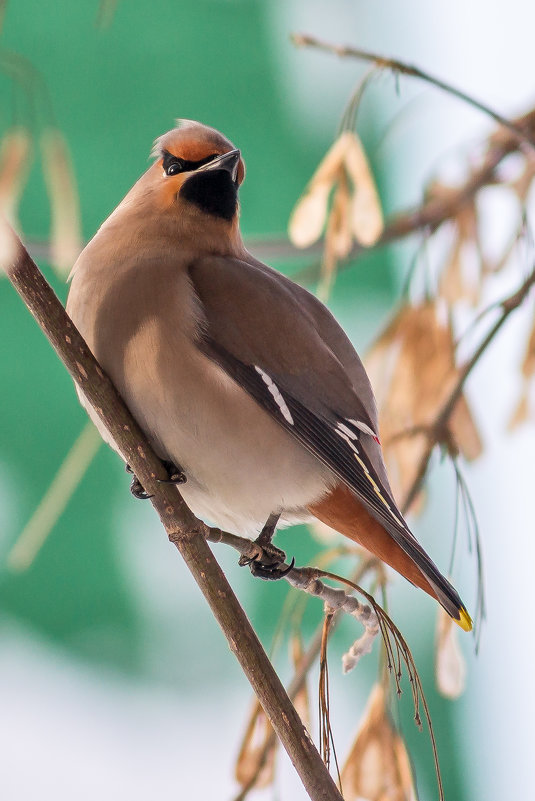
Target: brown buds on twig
(450, 667)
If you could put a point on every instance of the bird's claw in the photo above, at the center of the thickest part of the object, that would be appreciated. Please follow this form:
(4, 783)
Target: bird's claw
(175, 476)
(137, 490)
(270, 572)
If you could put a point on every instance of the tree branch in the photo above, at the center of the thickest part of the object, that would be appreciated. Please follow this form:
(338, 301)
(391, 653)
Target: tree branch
(303, 40)
(186, 532)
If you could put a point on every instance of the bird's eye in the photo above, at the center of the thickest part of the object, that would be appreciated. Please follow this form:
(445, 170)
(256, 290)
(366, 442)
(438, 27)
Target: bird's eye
(174, 167)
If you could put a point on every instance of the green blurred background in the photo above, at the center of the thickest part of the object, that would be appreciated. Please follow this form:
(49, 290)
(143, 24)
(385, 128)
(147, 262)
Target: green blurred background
(115, 680)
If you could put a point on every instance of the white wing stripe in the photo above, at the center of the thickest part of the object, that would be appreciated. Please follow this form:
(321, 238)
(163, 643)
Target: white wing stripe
(277, 396)
(363, 427)
(346, 430)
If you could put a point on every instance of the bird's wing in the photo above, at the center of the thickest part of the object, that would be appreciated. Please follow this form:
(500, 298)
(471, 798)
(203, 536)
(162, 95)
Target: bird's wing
(256, 329)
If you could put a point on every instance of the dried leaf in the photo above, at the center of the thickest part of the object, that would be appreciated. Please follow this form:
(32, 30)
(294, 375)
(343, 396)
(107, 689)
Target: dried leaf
(308, 218)
(9, 246)
(329, 167)
(528, 365)
(338, 238)
(339, 234)
(461, 278)
(15, 163)
(309, 215)
(455, 284)
(65, 235)
(520, 414)
(356, 210)
(301, 701)
(450, 667)
(412, 370)
(522, 411)
(522, 184)
(378, 767)
(256, 735)
(465, 432)
(366, 212)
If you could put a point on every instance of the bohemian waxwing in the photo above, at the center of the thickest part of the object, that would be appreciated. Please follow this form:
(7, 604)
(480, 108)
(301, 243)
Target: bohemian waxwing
(236, 374)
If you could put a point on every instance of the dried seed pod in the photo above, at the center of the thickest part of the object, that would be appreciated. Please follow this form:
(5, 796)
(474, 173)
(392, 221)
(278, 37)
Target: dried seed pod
(378, 767)
(308, 218)
(248, 764)
(15, 161)
(462, 277)
(528, 364)
(339, 228)
(412, 369)
(521, 413)
(301, 700)
(524, 407)
(356, 207)
(366, 212)
(65, 235)
(450, 667)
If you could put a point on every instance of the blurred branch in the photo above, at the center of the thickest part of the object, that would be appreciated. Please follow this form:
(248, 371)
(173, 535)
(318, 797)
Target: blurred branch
(435, 211)
(54, 501)
(438, 431)
(186, 532)
(303, 40)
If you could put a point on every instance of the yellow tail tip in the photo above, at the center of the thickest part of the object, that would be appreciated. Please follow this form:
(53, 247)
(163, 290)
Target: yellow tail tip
(464, 621)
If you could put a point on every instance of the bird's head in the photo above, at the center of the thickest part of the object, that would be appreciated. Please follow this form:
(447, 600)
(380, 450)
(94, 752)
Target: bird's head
(188, 195)
(197, 170)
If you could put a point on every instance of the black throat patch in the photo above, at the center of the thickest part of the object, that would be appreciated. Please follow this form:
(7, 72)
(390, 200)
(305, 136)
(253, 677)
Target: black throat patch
(213, 191)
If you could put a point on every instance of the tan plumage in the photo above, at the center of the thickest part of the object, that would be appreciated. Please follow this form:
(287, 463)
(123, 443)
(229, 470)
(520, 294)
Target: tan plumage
(234, 372)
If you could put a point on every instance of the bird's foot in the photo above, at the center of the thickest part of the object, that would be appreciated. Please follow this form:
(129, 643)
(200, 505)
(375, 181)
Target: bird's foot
(137, 489)
(268, 568)
(175, 476)
(271, 571)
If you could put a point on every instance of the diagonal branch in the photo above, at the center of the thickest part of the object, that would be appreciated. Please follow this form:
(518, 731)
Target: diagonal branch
(186, 532)
(303, 40)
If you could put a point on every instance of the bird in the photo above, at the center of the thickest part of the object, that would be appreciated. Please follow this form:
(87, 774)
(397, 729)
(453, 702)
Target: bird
(242, 380)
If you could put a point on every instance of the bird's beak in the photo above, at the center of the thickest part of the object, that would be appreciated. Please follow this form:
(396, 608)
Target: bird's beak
(227, 161)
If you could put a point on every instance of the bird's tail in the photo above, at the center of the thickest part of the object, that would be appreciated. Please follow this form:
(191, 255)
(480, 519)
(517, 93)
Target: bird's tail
(341, 510)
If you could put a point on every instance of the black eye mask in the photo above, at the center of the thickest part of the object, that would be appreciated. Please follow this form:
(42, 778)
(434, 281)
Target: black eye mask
(173, 164)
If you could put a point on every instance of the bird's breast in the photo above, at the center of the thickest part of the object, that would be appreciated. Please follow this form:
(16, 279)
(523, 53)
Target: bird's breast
(240, 463)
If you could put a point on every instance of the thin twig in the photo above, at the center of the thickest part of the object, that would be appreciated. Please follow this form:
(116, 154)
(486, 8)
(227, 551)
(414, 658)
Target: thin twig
(186, 532)
(303, 40)
(308, 580)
